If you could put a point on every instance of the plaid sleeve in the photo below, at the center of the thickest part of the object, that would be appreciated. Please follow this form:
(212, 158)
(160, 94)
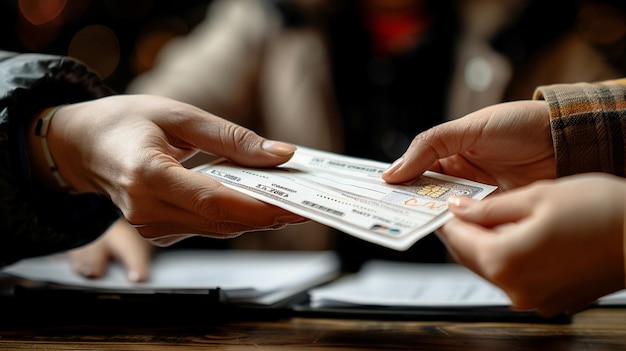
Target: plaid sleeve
(588, 123)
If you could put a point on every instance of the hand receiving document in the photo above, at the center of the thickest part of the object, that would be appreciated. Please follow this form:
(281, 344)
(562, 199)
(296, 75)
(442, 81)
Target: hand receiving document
(348, 194)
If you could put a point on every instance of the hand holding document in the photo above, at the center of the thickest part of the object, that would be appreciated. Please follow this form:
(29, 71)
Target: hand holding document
(348, 194)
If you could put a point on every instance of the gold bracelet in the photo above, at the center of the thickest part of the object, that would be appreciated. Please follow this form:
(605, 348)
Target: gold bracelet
(41, 130)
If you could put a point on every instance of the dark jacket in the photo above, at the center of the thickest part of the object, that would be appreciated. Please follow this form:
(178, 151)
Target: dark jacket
(34, 221)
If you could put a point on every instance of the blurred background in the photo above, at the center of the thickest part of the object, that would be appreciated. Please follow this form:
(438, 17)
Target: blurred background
(117, 38)
(120, 39)
(361, 77)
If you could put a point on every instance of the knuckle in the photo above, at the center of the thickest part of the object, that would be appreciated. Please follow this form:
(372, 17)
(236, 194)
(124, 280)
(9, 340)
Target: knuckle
(132, 200)
(506, 270)
(211, 205)
(206, 203)
(503, 270)
(242, 138)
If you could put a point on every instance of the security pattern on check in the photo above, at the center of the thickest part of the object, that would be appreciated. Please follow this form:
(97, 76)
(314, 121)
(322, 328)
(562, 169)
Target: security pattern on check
(348, 194)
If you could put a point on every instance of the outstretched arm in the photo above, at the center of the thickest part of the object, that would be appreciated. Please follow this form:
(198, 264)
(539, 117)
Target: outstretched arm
(129, 148)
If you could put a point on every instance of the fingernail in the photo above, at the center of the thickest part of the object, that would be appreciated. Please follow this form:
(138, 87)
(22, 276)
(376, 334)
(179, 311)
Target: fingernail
(454, 201)
(459, 203)
(394, 166)
(278, 148)
(134, 276)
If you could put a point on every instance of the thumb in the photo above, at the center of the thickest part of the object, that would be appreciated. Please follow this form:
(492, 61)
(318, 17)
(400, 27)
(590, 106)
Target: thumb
(241, 145)
(261, 152)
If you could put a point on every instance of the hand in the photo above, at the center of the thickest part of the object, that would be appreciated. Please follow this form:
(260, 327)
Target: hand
(553, 246)
(120, 242)
(508, 145)
(129, 148)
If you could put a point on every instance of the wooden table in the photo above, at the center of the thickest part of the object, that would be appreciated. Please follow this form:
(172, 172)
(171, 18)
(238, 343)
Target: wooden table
(593, 329)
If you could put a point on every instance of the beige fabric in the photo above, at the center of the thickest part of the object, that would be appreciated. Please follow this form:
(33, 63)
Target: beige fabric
(240, 65)
(587, 122)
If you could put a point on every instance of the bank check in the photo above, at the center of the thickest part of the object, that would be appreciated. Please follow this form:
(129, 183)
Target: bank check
(348, 194)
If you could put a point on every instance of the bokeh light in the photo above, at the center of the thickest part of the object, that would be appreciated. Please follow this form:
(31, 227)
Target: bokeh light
(98, 47)
(39, 12)
(116, 38)
(152, 38)
(601, 23)
(40, 21)
(35, 38)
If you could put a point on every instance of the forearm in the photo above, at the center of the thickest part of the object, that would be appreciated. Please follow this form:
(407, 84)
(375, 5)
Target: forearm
(33, 219)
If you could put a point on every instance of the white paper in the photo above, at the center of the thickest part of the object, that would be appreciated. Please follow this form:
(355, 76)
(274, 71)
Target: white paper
(348, 194)
(244, 276)
(617, 298)
(403, 284)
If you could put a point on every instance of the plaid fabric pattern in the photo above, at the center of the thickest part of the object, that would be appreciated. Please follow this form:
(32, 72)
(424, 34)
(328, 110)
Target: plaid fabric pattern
(588, 123)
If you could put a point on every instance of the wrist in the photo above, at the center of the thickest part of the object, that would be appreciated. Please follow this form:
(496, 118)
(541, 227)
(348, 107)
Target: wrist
(41, 151)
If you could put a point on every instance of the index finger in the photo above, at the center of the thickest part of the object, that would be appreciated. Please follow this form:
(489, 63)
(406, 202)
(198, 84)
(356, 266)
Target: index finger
(428, 147)
(198, 129)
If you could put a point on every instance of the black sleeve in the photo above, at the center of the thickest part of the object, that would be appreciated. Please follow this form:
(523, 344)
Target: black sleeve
(34, 221)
